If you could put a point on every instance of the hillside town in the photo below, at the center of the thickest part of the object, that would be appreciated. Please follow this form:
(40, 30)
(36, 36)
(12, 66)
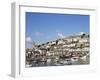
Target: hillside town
(70, 50)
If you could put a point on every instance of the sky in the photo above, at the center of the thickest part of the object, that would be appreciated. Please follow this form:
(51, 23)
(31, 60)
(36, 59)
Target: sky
(44, 27)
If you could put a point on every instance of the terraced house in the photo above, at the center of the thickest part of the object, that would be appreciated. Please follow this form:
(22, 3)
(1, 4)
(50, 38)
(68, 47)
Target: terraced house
(70, 50)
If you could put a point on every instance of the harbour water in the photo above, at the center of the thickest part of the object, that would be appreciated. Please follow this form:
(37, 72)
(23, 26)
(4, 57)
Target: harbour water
(61, 62)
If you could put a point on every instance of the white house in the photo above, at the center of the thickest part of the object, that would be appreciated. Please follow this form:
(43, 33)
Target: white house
(61, 42)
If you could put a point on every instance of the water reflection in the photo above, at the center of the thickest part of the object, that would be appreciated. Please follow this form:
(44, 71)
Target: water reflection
(55, 61)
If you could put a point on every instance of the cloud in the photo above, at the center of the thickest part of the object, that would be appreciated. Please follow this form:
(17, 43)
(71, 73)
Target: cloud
(39, 34)
(61, 35)
(28, 39)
